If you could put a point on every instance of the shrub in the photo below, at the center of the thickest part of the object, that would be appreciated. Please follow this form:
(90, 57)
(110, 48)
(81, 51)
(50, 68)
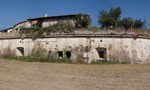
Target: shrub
(38, 31)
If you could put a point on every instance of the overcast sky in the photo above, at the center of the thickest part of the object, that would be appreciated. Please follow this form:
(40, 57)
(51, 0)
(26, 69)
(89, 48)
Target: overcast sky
(14, 11)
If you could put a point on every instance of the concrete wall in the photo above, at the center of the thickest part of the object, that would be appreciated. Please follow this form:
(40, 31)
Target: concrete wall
(48, 22)
(44, 22)
(25, 24)
(127, 50)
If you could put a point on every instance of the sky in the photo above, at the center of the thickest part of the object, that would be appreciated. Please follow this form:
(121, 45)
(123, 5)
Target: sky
(14, 11)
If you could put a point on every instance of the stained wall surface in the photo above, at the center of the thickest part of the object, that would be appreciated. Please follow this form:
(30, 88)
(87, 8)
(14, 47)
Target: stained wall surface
(127, 50)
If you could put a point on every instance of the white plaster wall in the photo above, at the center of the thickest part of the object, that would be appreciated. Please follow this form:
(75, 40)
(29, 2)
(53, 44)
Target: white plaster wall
(118, 49)
(25, 24)
(49, 22)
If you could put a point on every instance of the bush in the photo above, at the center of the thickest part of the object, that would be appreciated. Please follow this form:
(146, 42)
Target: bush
(38, 31)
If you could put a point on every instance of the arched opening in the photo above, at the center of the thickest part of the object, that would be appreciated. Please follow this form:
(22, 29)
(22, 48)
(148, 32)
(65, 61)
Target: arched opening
(60, 54)
(49, 53)
(68, 54)
(102, 53)
(21, 50)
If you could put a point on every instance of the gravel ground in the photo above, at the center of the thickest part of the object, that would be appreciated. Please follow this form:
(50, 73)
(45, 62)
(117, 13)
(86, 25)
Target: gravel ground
(16, 75)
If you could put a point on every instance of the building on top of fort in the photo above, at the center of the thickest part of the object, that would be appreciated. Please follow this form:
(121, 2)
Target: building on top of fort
(46, 21)
(83, 45)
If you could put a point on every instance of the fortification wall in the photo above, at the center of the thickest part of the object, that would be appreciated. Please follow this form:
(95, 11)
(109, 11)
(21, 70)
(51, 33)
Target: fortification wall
(122, 49)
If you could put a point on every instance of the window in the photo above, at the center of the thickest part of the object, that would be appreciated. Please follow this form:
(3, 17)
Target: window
(61, 21)
(16, 29)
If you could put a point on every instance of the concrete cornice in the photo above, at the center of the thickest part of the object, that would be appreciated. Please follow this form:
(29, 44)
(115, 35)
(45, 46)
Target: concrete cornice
(19, 36)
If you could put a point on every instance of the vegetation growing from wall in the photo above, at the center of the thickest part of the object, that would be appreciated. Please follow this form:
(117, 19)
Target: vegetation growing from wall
(59, 27)
(62, 60)
(40, 59)
(40, 54)
(35, 32)
(107, 62)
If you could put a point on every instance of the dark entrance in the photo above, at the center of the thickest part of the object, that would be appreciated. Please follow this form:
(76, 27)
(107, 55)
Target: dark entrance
(49, 53)
(21, 49)
(102, 53)
(60, 54)
(68, 54)
(39, 23)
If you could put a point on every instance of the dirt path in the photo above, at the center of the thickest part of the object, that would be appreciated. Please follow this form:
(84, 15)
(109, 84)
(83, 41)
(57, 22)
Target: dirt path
(15, 75)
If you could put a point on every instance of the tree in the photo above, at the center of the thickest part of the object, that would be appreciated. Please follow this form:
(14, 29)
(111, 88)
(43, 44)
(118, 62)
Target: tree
(127, 22)
(82, 21)
(138, 24)
(115, 13)
(111, 18)
(103, 19)
(85, 22)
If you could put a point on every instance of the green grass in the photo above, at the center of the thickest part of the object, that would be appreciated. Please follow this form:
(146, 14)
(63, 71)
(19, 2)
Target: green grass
(107, 62)
(40, 59)
(58, 60)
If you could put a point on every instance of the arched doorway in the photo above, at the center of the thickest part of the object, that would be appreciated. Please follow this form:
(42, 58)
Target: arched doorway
(68, 54)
